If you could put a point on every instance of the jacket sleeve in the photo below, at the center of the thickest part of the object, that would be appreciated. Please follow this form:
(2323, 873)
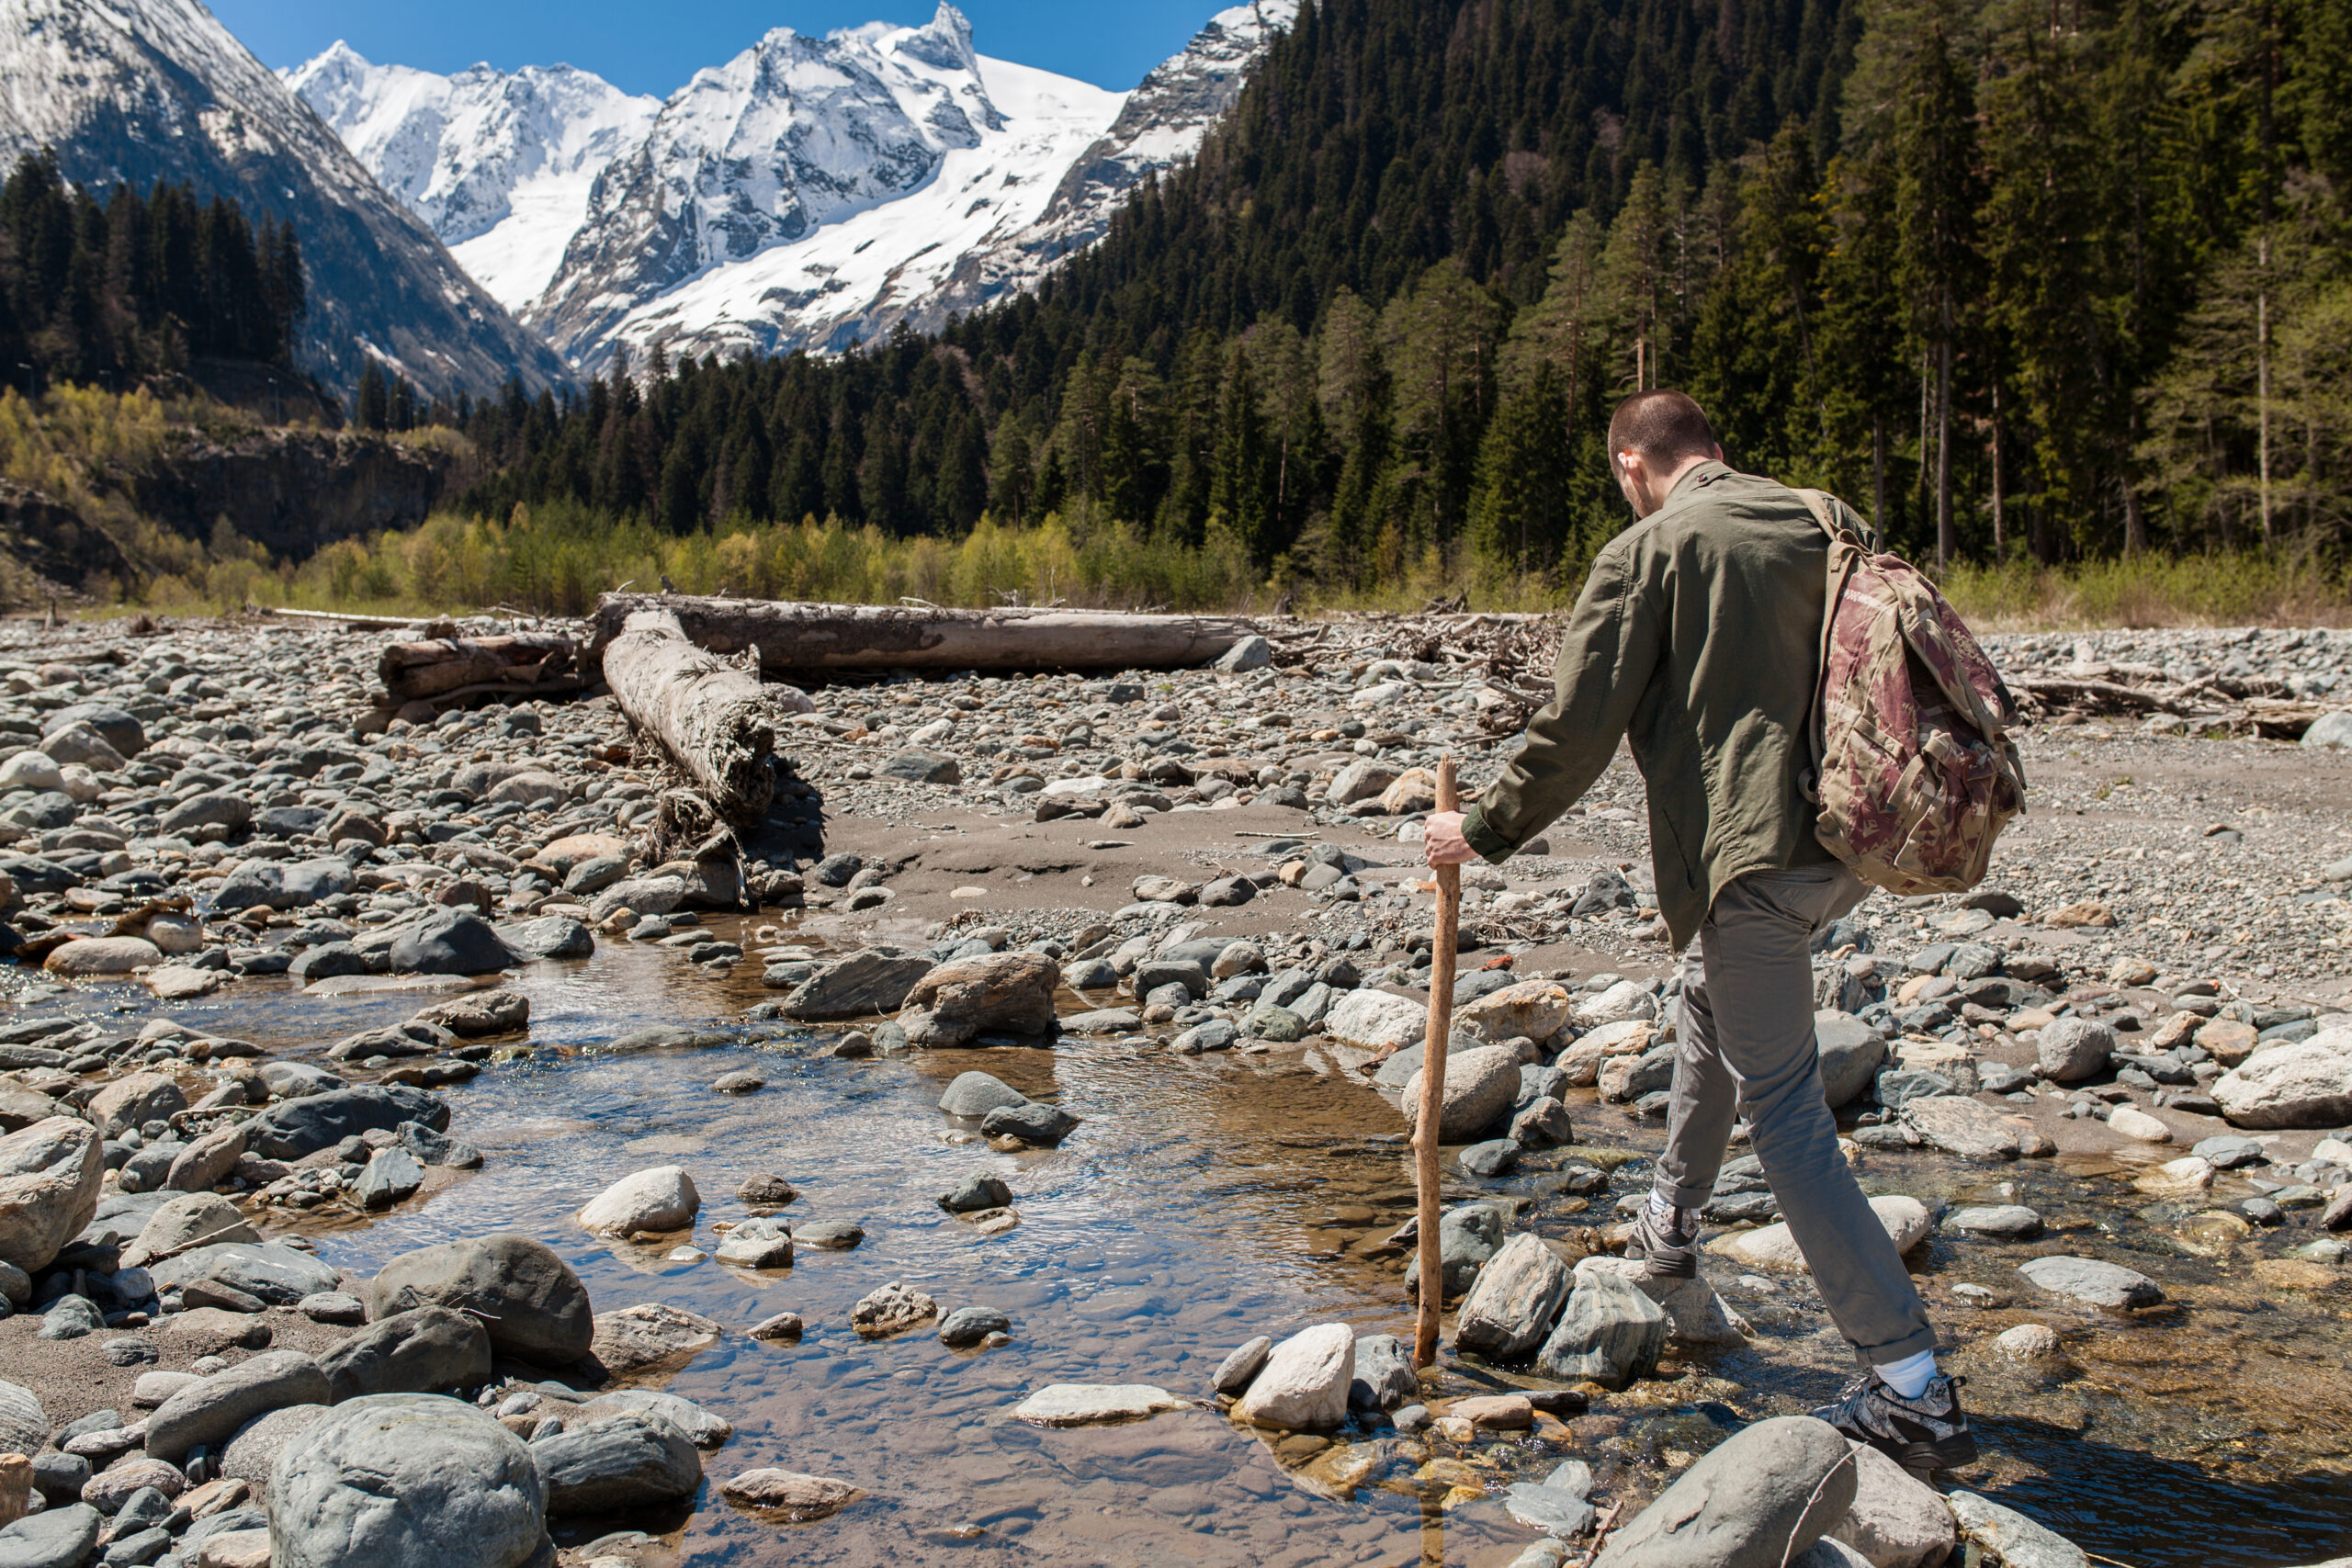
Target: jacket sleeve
(1606, 659)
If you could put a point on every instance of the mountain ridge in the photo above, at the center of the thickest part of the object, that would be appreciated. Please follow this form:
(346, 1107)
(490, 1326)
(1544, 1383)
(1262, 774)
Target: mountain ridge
(144, 90)
(807, 193)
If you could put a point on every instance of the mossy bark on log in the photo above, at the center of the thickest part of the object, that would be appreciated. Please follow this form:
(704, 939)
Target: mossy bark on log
(713, 720)
(793, 636)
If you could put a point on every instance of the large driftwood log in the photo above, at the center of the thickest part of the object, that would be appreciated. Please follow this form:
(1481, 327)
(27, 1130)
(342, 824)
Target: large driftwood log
(802, 636)
(713, 719)
(442, 667)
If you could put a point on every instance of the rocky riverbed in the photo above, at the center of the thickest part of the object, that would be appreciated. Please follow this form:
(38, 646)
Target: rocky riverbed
(1002, 1150)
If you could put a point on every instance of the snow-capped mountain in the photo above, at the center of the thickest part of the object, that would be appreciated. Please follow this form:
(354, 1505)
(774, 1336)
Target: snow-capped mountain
(1161, 125)
(809, 193)
(500, 164)
(142, 90)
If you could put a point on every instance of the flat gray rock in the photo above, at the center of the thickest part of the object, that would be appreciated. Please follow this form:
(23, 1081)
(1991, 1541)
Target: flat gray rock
(2093, 1283)
(424, 1482)
(1084, 1405)
(2001, 1222)
(630, 1459)
(1756, 1500)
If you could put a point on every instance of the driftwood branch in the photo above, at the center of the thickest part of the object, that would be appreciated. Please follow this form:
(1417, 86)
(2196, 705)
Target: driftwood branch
(711, 719)
(820, 637)
(439, 668)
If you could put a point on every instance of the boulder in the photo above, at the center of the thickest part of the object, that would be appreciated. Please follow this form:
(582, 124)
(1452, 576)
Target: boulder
(269, 1271)
(969, 1325)
(530, 1302)
(315, 1121)
(94, 956)
(916, 765)
(1364, 779)
(1905, 1220)
(1852, 1054)
(550, 936)
(1531, 1010)
(1304, 1385)
(705, 1429)
(1695, 1315)
(997, 992)
(1377, 1021)
(1998, 1221)
(757, 1243)
(51, 1174)
(867, 982)
(2306, 1083)
(407, 1481)
(789, 1495)
(1624, 1002)
(1243, 1362)
(1515, 1301)
(24, 1425)
(2092, 1282)
(449, 942)
(390, 1175)
(207, 1162)
(645, 895)
(133, 1101)
(1758, 1499)
(1037, 1123)
(211, 1411)
(178, 1224)
(661, 1199)
(632, 1460)
(2072, 1049)
(650, 1334)
(976, 1094)
(1384, 1378)
(119, 730)
(1479, 1087)
(1897, 1520)
(1466, 1237)
(1610, 1332)
(480, 1013)
(55, 1538)
(2011, 1538)
(428, 1349)
(893, 1309)
(1968, 1128)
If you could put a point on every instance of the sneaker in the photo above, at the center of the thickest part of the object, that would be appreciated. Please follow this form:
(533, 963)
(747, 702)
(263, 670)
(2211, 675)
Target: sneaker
(1926, 1434)
(1668, 1254)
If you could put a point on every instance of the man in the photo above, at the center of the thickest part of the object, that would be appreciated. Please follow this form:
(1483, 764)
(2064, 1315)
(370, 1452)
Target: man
(1698, 639)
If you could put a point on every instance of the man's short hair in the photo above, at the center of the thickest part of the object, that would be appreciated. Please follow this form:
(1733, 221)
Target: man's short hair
(1662, 425)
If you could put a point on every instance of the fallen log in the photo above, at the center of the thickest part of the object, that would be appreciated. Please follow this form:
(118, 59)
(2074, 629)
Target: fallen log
(792, 635)
(2095, 692)
(440, 667)
(712, 719)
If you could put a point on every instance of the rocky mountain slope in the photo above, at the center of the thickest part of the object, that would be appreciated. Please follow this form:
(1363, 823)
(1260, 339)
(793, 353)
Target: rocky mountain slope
(808, 193)
(142, 90)
(499, 164)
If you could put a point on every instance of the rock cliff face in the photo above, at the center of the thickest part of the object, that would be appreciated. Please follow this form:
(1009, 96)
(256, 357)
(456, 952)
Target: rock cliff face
(291, 490)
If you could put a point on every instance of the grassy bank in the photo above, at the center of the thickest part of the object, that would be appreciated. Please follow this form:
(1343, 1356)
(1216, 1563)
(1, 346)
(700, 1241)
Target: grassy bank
(559, 561)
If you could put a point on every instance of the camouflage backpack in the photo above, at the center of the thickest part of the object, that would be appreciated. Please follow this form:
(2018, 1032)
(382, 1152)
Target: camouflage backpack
(1914, 769)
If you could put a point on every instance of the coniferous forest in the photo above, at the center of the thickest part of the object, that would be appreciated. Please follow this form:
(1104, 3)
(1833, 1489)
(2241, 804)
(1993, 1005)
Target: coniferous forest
(2024, 275)
(108, 292)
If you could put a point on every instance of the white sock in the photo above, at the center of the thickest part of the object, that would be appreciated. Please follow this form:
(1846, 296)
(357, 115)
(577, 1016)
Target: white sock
(1910, 1376)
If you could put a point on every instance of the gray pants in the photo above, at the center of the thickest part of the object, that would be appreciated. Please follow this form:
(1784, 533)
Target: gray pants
(1746, 1041)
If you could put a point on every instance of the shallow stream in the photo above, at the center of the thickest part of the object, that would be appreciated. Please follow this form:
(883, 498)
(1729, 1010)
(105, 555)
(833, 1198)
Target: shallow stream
(1209, 1198)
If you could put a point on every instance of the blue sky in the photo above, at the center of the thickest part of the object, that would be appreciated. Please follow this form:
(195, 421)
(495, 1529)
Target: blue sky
(653, 48)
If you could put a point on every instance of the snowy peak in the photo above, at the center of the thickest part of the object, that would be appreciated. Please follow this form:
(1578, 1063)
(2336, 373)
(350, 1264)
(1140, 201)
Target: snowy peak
(142, 90)
(793, 133)
(499, 164)
(810, 192)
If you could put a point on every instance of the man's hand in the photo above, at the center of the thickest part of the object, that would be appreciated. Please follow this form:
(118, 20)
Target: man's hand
(1444, 844)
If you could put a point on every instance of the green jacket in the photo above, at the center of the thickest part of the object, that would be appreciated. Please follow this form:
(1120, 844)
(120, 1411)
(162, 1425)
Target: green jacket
(1698, 638)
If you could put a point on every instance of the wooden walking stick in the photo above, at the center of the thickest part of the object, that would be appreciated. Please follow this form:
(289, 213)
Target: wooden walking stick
(1425, 1131)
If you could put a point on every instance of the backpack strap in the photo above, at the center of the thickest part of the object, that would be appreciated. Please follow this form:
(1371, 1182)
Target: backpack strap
(1847, 548)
